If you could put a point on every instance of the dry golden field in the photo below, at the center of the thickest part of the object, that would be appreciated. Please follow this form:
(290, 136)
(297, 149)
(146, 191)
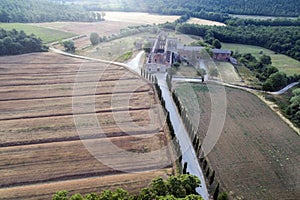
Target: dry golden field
(49, 140)
(205, 22)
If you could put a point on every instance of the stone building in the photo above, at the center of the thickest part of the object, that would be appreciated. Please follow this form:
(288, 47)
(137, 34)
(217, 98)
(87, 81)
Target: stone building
(162, 55)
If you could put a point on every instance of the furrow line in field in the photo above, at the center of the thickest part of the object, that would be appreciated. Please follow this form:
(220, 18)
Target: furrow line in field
(77, 137)
(66, 82)
(78, 95)
(142, 168)
(60, 73)
(78, 113)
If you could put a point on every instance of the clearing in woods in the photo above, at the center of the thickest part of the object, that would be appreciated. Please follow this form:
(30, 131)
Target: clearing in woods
(139, 17)
(204, 22)
(42, 152)
(257, 154)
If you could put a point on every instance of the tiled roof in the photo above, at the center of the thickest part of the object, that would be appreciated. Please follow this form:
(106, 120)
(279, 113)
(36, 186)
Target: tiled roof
(225, 51)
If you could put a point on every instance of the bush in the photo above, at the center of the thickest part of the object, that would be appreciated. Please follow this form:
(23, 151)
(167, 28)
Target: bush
(94, 38)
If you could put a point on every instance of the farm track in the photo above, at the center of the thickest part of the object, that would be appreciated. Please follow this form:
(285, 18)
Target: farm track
(40, 146)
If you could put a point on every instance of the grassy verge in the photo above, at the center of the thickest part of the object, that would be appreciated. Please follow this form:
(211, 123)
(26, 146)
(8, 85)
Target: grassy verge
(126, 56)
(47, 35)
(284, 63)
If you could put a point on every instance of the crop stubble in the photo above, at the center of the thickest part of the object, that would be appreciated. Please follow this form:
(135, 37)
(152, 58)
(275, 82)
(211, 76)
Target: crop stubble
(39, 145)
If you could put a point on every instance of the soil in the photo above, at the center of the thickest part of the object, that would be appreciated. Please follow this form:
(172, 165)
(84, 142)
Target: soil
(71, 124)
(257, 154)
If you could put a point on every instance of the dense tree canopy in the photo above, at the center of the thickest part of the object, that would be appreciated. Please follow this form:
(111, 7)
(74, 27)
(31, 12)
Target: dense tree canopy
(14, 42)
(175, 187)
(293, 109)
(43, 11)
(250, 7)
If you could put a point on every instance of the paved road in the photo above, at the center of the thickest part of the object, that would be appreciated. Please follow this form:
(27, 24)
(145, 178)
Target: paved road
(93, 59)
(185, 143)
(134, 64)
(198, 80)
(283, 90)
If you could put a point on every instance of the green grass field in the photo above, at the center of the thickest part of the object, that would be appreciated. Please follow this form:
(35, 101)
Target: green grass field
(284, 63)
(226, 71)
(47, 35)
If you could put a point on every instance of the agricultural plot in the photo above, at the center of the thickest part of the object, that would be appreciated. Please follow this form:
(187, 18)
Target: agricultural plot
(226, 71)
(112, 50)
(257, 154)
(284, 63)
(72, 124)
(204, 22)
(114, 22)
(140, 18)
(47, 35)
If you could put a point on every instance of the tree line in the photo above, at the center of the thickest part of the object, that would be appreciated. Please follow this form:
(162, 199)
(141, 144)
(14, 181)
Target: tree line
(17, 42)
(32, 11)
(293, 108)
(288, 8)
(68, 10)
(285, 40)
(174, 188)
(260, 22)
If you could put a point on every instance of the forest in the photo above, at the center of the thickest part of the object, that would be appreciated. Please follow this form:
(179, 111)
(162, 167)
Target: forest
(74, 10)
(259, 22)
(14, 42)
(287, 8)
(32, 11)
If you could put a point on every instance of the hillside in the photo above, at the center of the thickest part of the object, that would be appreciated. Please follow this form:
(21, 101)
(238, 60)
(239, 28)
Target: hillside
(42, 11)
(257, 154)
(251, 7)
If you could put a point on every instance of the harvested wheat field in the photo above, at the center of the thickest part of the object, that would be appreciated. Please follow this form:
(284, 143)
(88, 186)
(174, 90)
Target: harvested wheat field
(204, 22)
(257, 155)
(139, 17)
(77, 125)
(114, 22)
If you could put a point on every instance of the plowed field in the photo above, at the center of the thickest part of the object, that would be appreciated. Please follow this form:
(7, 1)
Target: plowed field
(77, 125)
(257, 155)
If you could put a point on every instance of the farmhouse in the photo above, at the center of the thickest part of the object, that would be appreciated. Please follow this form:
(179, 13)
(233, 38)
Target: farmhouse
(165, 51)
(162, 55)
(190, 53)
(221, 54)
